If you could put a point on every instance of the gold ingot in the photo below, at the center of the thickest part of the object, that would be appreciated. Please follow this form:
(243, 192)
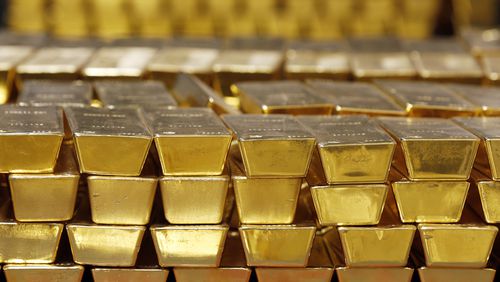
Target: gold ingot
(277, 245)
(31, 138)
(43, 272)
(279, 97)
(26, 16)
(189, 245)
(352, 149)
(456, 274)
(129, 274)
(423, 201)
(69, 18)
(55, 93)
(105, 245)
(16, 242)
(374, 274)
(148, 18)
(190, 141)
(488, 98)
(490, 65)
(457, 245)
(194, 199)
(442, 66)
(109, 141)
(356, 98)
(47, 197)
(428, 99)
(481, 41)
(110, 19)
(119, 62)
(484, 197)
(10, 57)
(272, 145)
(432, 148)
(366, 66)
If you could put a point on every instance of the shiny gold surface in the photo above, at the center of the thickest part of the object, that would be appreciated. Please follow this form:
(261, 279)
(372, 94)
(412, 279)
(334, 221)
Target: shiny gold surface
(47, 197)
(431, 148)
(10, 56)
(374, 274)
(105, 245)
(31, 138)
(486, 97)
(226, 274)
(272, 145)
(194, 199)
(447, 66)
(55, 93)
(352, 149)
(190, 141)
(189, 245)
(444, 244)
(110, 18)
(456, 274)
(117, 62)
(485, 197)
(382, 65)
(490, 66)
(277, 245)
(129, 274)
(43, 272)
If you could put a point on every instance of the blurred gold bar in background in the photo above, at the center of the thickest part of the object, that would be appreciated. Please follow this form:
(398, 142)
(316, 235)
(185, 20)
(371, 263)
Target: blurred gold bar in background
(488, 98)
(490, 66)
(69, 18)
(43, 272)
(10, 57)
(27, 15)
(110, 18)
(42, 93)
(129, 274)
(149, 18)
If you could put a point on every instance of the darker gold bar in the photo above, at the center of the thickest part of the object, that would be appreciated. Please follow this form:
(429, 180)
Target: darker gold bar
(10, 57)
(484, 196)
(43, 272)
(427, 274)
(481, 41)
(490, 67)
(488, 98)
(55, 93)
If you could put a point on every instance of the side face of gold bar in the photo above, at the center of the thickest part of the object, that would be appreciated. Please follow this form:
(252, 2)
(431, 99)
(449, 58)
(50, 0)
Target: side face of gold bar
(16, 242)
(489, 193)
(129, 274)
(181, 193)
(189, 245)
(43, 272)
(372, 274)
(455, 274)
(105, 245)
(352, 149)
(109, 141)
(433, 148)
(274, 145)
(190, 141)
(279, 97)
(226, 274)
(31, 138)
(119, 62)
(382, 65)
(486, 97)
(491, 70)
(356, 98)
(10, 56)
(277, 245)
(444, 244)
(55, 93)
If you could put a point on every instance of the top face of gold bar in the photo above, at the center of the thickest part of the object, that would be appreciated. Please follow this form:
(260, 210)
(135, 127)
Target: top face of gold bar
(56, 60)
(16, 120)
(482, 41)
(491, 65)
(55, 93)
(382, 65)
(183, 59)
(375, 44)
(356, 97)
(487, 97)
(484, 127)
(133, 93)
(317, 57)
(447, 65)
(119, 61)
(248, 61)
(12, 55)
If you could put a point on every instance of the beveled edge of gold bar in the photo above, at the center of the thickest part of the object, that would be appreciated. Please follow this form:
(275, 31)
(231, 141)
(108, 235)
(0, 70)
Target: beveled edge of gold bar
(248, 61)
(428, 274)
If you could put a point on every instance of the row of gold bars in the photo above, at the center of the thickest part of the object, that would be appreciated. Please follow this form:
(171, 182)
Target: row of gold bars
(366, 181)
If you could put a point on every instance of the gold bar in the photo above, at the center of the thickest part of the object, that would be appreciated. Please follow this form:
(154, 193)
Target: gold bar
(134, 93)
(367, 66)
(31, 138)
(456, 274)
(490, 65)
(129, 274)
(190, 91)
(352, 149)
(277, 245)
(432, 148)
(119, 62)
(42, 93)
(356, 98)
(69, 18)
(10, 57)
(484, 197)
(486, 97)
(110, 19)
(189, 245)
(191, 141)
(279, 97)
(481, 41)
(374, 274)
(105, 245)
(194, 199)
(43, 272)
(272, 145)
(109, 141)
(47, 197)
(428, 99)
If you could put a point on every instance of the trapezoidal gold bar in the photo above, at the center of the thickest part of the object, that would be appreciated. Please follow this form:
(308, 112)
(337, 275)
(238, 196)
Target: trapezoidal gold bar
(432, 148)
(427, 274)
(488, 98)
(109, 141)
(43, 272)
(105, 245)
(279, 97)
(129, 274)
(41, 93)
(356, 98)
(10, 57)
(190, 141)
(484, 197)
(31, 138)
(367, 66)
(47, 197)
(272, 145)
(352, 149)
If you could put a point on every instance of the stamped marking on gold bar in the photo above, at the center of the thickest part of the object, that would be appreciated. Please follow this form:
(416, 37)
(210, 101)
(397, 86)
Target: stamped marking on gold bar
(55, 93)
(119, 62)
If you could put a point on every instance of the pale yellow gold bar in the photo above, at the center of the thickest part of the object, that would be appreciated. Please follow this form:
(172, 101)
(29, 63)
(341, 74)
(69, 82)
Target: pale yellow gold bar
(10, 57)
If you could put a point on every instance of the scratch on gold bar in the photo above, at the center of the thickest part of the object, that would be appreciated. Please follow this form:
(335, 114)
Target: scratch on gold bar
(356, 98)
(109, 141)
(10, 57)
(55, 93)
(427, 274)
(43, 272)
(352, 149)
(47, 197)
(484, 197)
(279, 97)
(272, 145)
(129, 274)
(488, 98)
(428, 99)
(150, 93)
(31, 138)
(490, 65)
(181, 193)
(432, 148)
(119, 62)
(191, 141)
(189, 245)
(105, 245)
(372, 65)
